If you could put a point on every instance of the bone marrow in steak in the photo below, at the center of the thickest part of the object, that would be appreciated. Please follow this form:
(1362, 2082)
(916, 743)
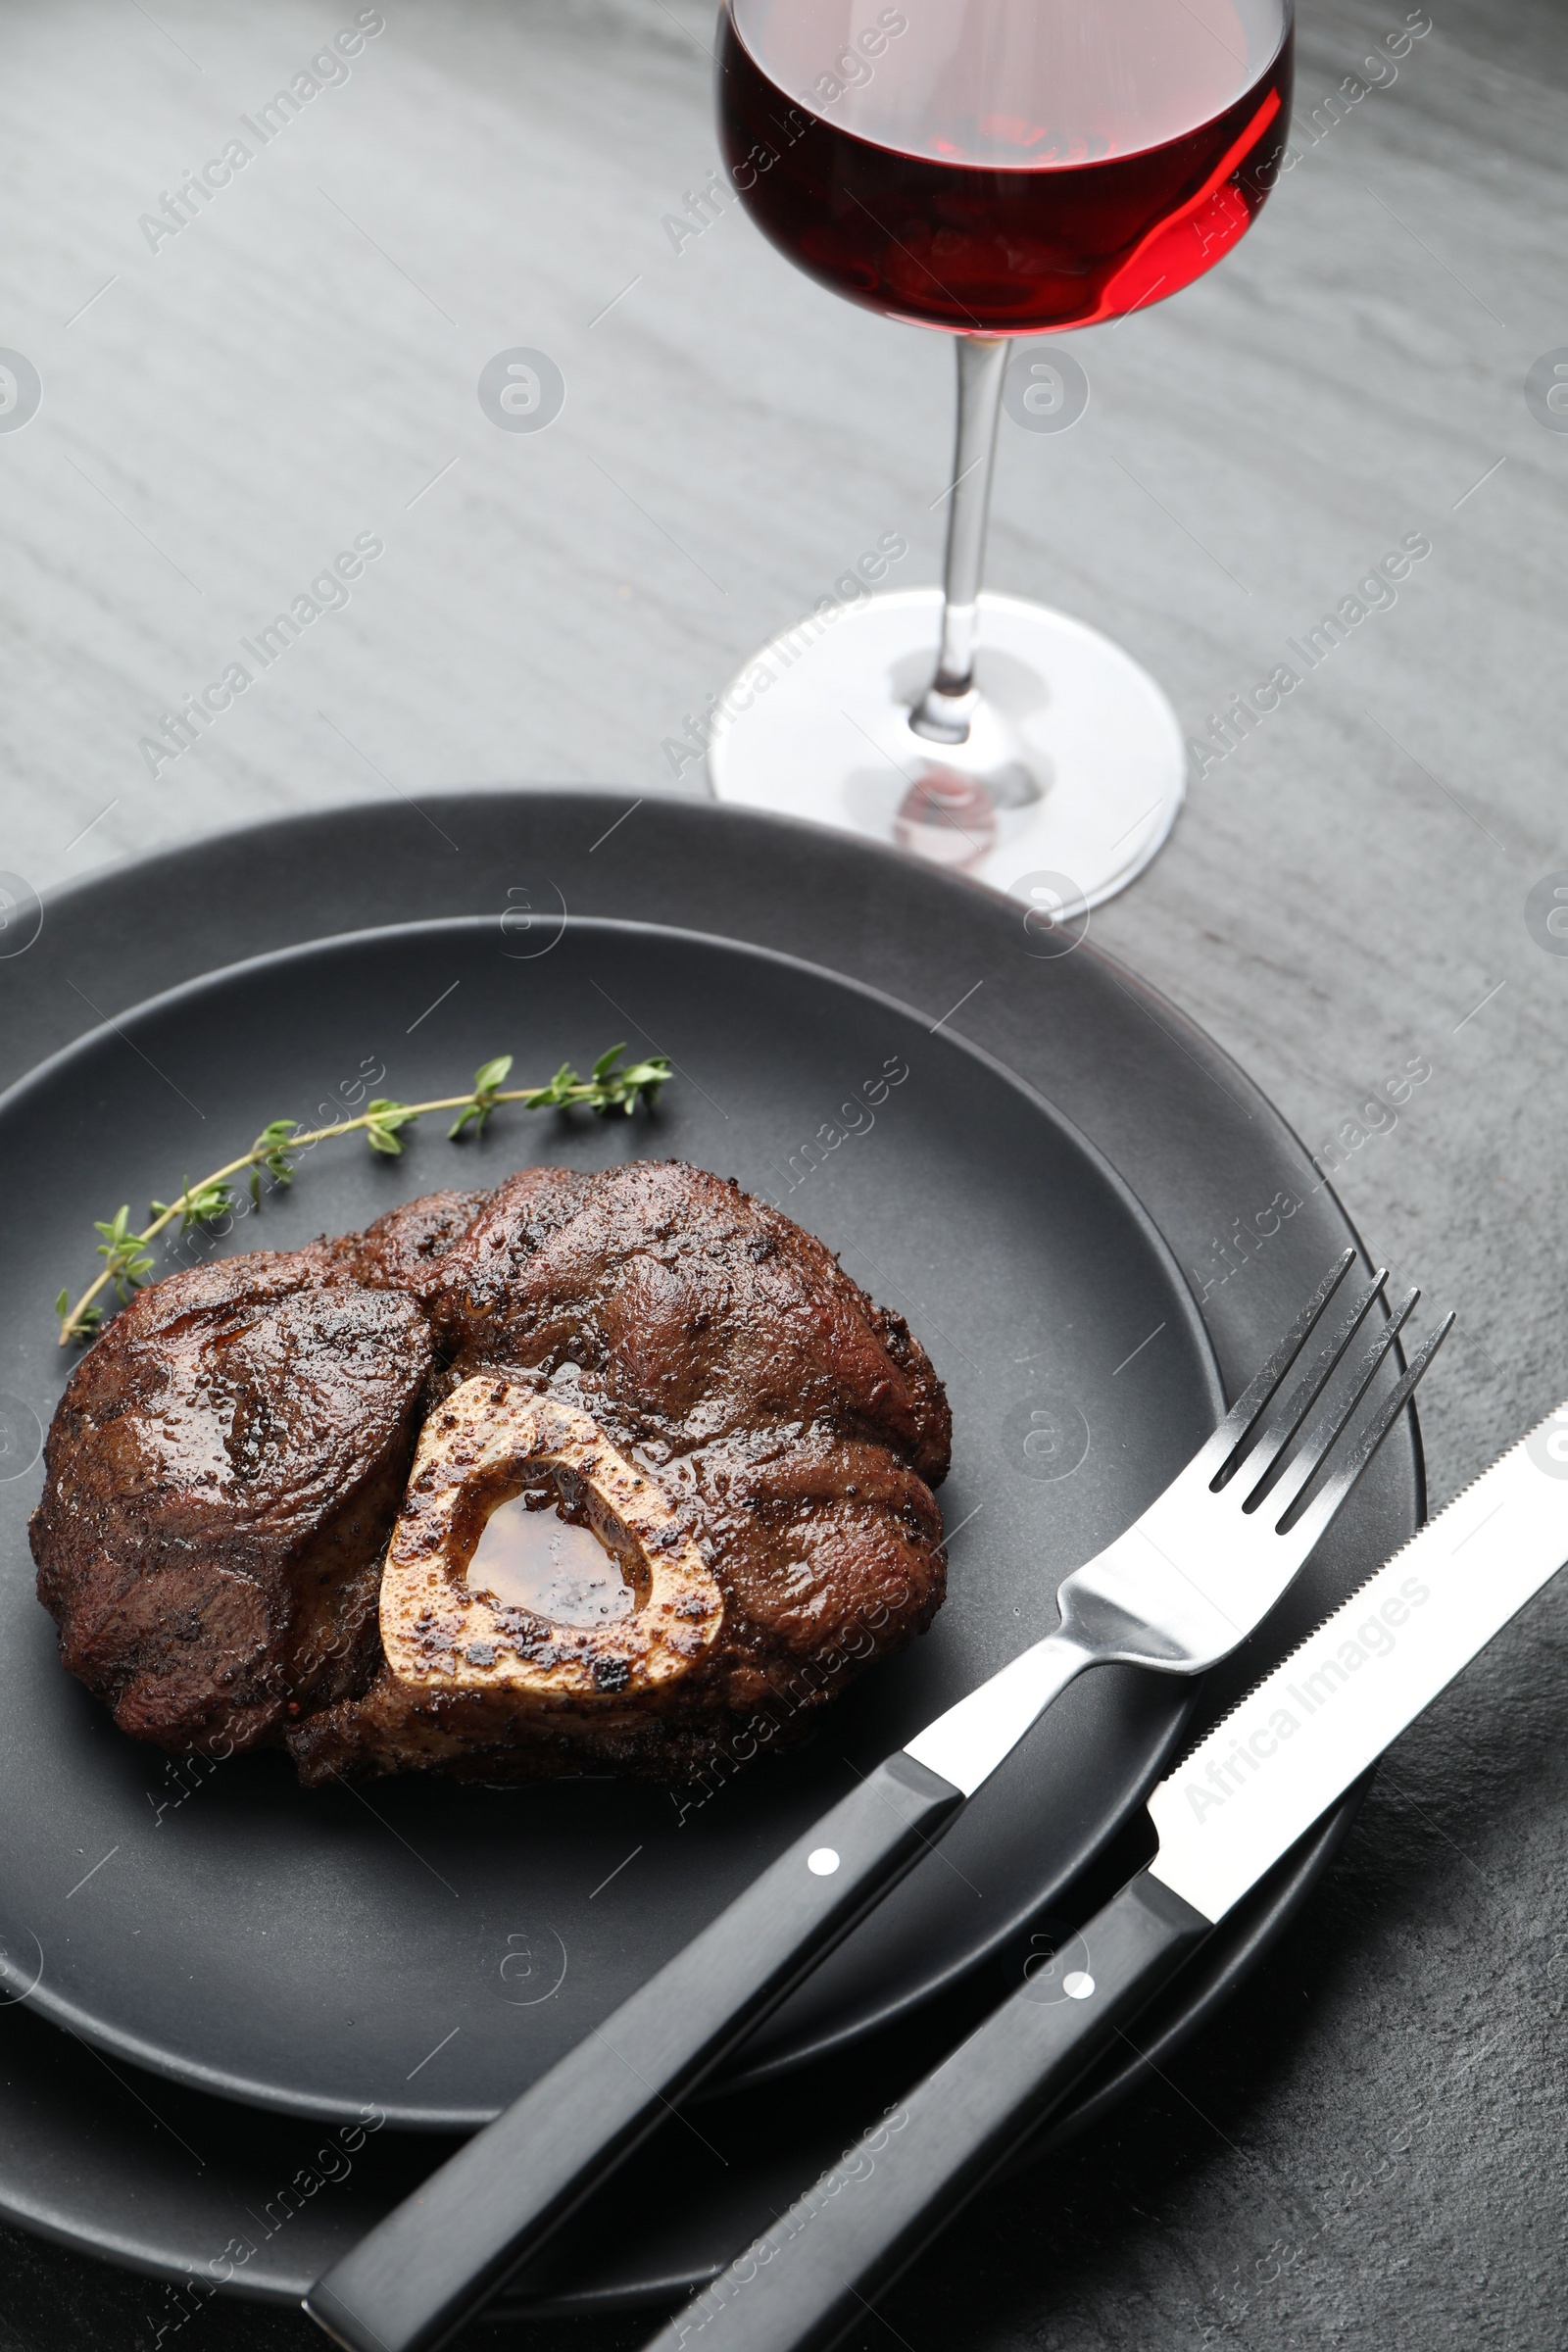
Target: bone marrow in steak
(687, 1335)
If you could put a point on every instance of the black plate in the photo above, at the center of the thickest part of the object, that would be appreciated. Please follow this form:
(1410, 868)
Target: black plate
(426, 1950)
(115, 2161)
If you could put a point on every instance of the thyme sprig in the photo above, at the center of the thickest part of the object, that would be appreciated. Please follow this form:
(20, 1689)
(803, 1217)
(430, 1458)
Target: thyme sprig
(611, 1085)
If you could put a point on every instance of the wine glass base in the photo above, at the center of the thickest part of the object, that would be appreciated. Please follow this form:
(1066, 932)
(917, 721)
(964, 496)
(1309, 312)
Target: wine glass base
(1074, 770)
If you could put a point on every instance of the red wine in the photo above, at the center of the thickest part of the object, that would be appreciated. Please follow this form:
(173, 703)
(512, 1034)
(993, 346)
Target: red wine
(1135, 147)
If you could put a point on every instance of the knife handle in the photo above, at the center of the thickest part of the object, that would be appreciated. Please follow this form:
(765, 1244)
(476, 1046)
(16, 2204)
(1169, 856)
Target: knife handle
(423, 2270)
(806, 2281)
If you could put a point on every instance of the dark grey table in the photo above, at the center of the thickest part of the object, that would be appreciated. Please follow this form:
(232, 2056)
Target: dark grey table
(1369, 2150)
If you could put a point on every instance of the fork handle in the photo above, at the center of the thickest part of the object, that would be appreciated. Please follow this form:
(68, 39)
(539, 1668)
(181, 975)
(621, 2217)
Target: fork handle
(805, 2281)
(419, 2274)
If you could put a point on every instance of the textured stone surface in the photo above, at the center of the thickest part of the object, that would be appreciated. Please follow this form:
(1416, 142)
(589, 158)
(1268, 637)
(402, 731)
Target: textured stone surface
(1368, 2150)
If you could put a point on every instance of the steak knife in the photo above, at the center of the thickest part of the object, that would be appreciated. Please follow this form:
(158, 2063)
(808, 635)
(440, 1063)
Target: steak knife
(1233, 1808)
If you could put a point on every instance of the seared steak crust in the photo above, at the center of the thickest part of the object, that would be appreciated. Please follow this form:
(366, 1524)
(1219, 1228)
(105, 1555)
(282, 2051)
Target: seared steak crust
(695, 1311)
(399, 1249)
(221, 1473)
(794, 1428)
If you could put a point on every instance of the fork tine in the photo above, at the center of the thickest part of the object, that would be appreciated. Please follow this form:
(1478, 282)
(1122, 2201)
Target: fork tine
(1266, 1456)
(1311, 1524)
(1225, 1448)
(1333, 1422)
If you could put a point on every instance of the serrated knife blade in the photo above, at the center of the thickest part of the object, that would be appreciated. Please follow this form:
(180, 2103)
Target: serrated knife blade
(1273, 1766)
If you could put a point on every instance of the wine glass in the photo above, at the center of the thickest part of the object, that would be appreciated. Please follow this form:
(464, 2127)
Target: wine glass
(992, 168)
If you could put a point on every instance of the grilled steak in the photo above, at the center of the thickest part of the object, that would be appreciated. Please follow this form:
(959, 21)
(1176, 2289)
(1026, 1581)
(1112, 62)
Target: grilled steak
(648, 1355)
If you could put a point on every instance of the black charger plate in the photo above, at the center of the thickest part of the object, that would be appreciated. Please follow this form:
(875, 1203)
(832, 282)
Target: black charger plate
(424, 1950)
(1200, 1144)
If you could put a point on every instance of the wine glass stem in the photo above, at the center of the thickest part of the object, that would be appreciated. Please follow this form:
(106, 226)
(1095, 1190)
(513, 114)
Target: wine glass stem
(944, 711)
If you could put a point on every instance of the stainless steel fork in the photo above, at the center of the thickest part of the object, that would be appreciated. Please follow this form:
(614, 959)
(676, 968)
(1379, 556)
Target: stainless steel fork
(1186, 1582)
(1208, 1559)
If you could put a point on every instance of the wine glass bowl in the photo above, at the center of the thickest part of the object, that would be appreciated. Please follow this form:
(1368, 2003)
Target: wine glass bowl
(1003, 167)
